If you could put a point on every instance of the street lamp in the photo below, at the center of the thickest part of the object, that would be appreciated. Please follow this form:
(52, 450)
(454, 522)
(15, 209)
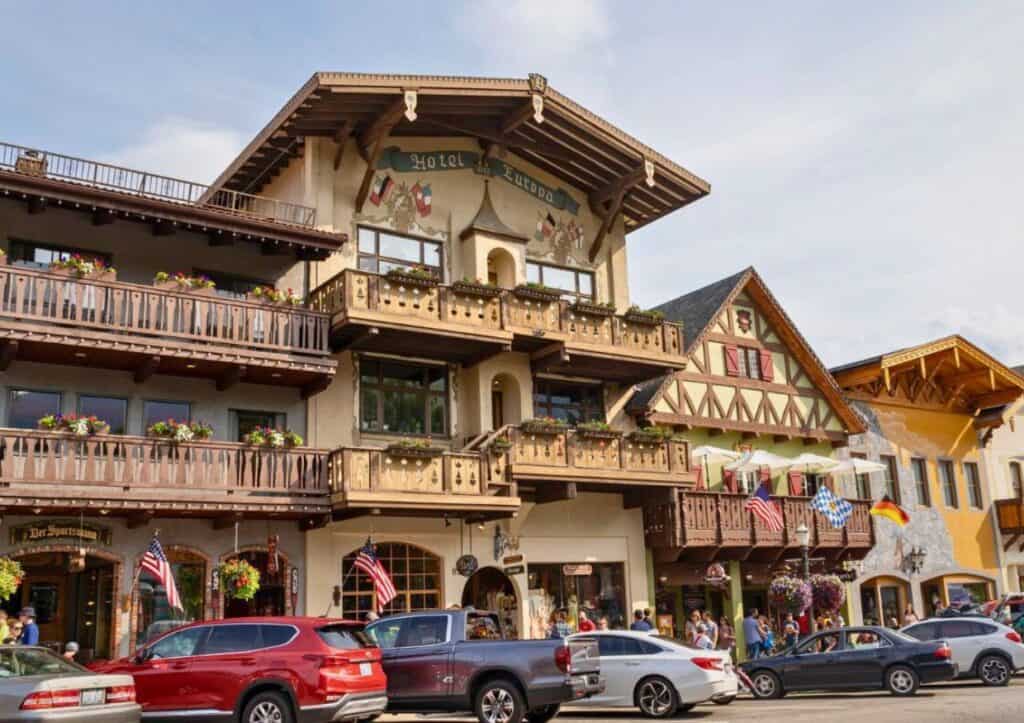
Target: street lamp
(803, 538)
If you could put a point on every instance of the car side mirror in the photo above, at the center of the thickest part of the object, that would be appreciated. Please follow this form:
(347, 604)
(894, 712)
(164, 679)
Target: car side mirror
(142, 656)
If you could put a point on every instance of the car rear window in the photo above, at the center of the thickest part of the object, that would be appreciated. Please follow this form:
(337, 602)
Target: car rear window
(344, 637)
(18, 662)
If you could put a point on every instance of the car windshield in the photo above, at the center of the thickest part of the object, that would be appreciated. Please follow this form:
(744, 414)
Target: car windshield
(18, 662)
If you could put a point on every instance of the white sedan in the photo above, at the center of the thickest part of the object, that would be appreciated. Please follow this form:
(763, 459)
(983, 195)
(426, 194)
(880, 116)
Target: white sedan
(659, 676)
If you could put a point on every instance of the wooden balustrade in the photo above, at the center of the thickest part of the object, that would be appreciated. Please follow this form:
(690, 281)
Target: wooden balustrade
(51, 465)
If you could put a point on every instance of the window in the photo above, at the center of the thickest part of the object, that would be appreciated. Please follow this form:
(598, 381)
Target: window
(157, 411)
(25, 407)
(920, 468)
(232, 639)
(179, 645)
(599, 589)
(827, 643)
(230, 284)
(400, 398)
(30, 253)
(812, 483)
(892, 477)
(613, 645)
(864, 640)
(964, 629)
(380, 251)
(415, 573)
(863, 481)
(574, 284)
(244, 421)
(1016, 480)
(344, 637)
(570, 402)
(973, 484)
(947, 480)
(410, 632)
(112, 410)
(749, 360)
(274, 635)
(153, 611)
(924, 631)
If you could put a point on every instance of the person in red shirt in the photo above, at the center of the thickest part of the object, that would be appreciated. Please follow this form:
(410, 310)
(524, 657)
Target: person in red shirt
(586, 625)
(804, 623)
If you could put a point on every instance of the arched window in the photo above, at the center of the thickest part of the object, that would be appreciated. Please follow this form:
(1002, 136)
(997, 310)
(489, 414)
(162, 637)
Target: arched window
(415, 573)
(1015, 479)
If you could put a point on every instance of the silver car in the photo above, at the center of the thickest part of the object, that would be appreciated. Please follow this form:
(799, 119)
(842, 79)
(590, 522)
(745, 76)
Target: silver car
(38, 685)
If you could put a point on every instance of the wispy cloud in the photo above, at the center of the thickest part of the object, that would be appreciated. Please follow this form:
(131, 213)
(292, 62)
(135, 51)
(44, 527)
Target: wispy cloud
(182, 148)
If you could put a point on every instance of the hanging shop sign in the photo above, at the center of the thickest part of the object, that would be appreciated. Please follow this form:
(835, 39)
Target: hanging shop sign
(577, 570)
(515, 570)
(395, 159)
(294, 582)
(54, 530)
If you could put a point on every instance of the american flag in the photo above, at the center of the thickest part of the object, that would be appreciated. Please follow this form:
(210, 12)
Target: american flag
(760, 503)
(368, 562)
(156, 563)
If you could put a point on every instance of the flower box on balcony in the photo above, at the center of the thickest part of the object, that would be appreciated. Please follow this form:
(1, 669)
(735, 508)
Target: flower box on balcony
(652, 435)
(544, 426)
(31, 163)
(104, 274)
(270, 295)
(412, 450)
(536, 292)
(184, 283)
(604, 434)
(499, 446)
(476, 288)
(636, 315)
(592, 308)
(420, 278)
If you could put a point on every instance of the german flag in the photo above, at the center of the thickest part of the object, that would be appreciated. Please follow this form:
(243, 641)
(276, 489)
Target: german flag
(885, 507)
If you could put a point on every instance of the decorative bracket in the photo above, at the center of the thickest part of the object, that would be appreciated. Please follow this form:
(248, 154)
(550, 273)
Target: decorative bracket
(410, 105)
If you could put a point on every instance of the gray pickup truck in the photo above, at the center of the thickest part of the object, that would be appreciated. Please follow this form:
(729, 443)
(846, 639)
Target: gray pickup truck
(449, 661)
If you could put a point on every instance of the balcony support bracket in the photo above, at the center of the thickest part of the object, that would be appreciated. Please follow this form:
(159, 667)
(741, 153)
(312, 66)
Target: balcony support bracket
(231, 377)
(8, 353)
(315, 387)
(223, 523)
(554, 492)
(140, 520)
(147, 369)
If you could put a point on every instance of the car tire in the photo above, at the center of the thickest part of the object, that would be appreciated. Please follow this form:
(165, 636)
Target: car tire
(723, 701)
(901, 680)
(685, 707)
(656, 697)
(499, 701)
(543, 714)
(766, 684)
(267, 707)
(994, 670)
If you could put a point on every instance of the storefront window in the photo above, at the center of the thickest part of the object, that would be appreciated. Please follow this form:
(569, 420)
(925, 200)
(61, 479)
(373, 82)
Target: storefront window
(190, 579)
(964, 593)
(597, 588)
(415, 573)
(270, 599)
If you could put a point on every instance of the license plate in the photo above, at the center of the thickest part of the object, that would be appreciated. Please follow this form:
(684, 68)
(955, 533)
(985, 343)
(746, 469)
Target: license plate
(96, 696)
(366, 669)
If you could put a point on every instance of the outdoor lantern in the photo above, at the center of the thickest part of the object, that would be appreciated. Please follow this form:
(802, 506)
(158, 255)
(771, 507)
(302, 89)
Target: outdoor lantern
(915, 560)
(803, 535)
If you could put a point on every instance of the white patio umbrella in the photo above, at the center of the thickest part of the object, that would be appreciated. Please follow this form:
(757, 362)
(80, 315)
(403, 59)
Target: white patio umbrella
(856, 465)
(708, 454)
(813, 463)
(758, 458)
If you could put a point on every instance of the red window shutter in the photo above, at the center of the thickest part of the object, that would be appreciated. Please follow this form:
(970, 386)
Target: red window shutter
(766, 478)
(732, 360)
(767, 368)
(729, 480)
(700, 478)
(796, 483)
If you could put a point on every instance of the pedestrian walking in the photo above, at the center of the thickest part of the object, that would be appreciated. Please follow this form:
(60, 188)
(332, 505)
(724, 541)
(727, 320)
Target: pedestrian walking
(752, 634)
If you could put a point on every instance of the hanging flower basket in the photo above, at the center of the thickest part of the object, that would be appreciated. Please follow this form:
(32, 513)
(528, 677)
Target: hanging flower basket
(636, 315)
(791, 594)
(73, 424)
(11, 576)
(178, 432)
(238, 579)
(415, 276)
(273, 438)
(544, 425)
(413, 449)
(537, 292)
(829, 592)
(591, 308)
(479, 289)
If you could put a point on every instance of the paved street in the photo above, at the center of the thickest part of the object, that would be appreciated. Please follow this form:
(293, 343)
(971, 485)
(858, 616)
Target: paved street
(935, 703)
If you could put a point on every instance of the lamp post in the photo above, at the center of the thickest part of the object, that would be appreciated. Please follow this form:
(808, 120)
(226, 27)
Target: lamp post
(803, 538)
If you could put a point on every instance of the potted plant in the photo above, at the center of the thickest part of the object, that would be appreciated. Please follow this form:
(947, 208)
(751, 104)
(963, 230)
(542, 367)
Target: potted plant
(273, 438)
(790, 593)
(82, 267)
(499, 446)
(653, 435)
(413, 276)
(471, 287)
(532, 291)
(413, 448)
(74, 425)
(11, 575)
(271, 295)
(596, 430)
(648, 317)
(177, 432)
(593, 308)
(544, 425)
(238, 579)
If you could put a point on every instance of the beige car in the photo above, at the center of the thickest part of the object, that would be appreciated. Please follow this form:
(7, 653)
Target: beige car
(38, 685)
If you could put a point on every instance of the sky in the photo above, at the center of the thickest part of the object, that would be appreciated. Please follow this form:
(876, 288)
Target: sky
(867, 158)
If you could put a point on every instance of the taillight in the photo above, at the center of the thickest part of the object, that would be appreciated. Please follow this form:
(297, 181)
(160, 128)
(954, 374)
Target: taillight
(563, 658)
(708, 663)
(121, 694)
(1012, 635)
(46, 699)
(943, 653)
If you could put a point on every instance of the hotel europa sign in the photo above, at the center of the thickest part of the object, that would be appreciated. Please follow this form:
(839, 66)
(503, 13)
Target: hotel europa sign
(60, 530)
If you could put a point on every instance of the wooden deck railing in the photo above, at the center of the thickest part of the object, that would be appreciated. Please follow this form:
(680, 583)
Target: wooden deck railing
(28, 295)
(140, 183)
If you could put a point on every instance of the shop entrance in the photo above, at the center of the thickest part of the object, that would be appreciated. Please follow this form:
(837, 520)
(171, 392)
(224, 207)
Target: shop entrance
(71, 602)
(270, 599)
(491, 589)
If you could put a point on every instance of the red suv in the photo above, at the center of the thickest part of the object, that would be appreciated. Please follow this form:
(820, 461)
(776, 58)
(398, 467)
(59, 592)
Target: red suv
(259, 670)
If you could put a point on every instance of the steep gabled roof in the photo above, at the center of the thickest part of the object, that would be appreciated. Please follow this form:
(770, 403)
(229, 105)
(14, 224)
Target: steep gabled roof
(698, 309)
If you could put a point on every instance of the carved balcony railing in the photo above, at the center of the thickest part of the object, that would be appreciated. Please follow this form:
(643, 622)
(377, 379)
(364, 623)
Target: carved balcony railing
(409, 482)
(45, 306)
(124, 474)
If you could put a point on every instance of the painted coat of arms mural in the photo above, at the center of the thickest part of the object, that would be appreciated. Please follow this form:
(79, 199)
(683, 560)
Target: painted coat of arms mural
(404, 204)
(558, 240)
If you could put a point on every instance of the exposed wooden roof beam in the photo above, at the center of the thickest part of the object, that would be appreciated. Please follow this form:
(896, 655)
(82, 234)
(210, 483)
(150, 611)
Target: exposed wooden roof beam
(381, 126)
(994, 399)
(624, 183)
(341, 138)
(975, 375)
(611, 213)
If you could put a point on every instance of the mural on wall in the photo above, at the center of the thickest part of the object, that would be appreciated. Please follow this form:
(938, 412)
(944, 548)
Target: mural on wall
(558, 240)
(403, 204)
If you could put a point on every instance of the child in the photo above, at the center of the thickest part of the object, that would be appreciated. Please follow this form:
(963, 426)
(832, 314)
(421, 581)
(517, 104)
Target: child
(702, 640)
(791, 630)
(768, 644)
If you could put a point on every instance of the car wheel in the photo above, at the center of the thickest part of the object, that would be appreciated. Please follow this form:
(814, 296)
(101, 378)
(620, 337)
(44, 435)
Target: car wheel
(994, 670)
(499, 701)
(766, 684)
(267, 707)
(657, 698)
(901, 680)
(543, 714)
(723, 701)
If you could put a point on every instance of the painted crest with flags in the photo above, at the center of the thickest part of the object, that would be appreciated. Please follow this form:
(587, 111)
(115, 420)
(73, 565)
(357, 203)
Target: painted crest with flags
(835, 508)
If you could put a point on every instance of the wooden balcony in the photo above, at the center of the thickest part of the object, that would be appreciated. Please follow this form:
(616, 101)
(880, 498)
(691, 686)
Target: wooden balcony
(54, 318)
(142, 477)
(705, 526)
(1010, 516)
(473, 485)
(558, 465)
(455, 323)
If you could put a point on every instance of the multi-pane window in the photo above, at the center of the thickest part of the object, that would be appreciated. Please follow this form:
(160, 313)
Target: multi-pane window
(112, 410)
(569, 402)
(400, 398)
(157, 411)
(748, 362)
(973, 484)
(863, 481)
(415, 573)
(244, 421)
(25, 407)
(947, 480)
(892, 477)
(1016, 479)
(812, 483)
(30, 253)
(920, 469)
(574, 283)
(381, 251)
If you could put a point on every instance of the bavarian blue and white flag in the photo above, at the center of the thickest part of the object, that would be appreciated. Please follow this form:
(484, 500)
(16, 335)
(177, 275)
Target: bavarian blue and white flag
(836, 509)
